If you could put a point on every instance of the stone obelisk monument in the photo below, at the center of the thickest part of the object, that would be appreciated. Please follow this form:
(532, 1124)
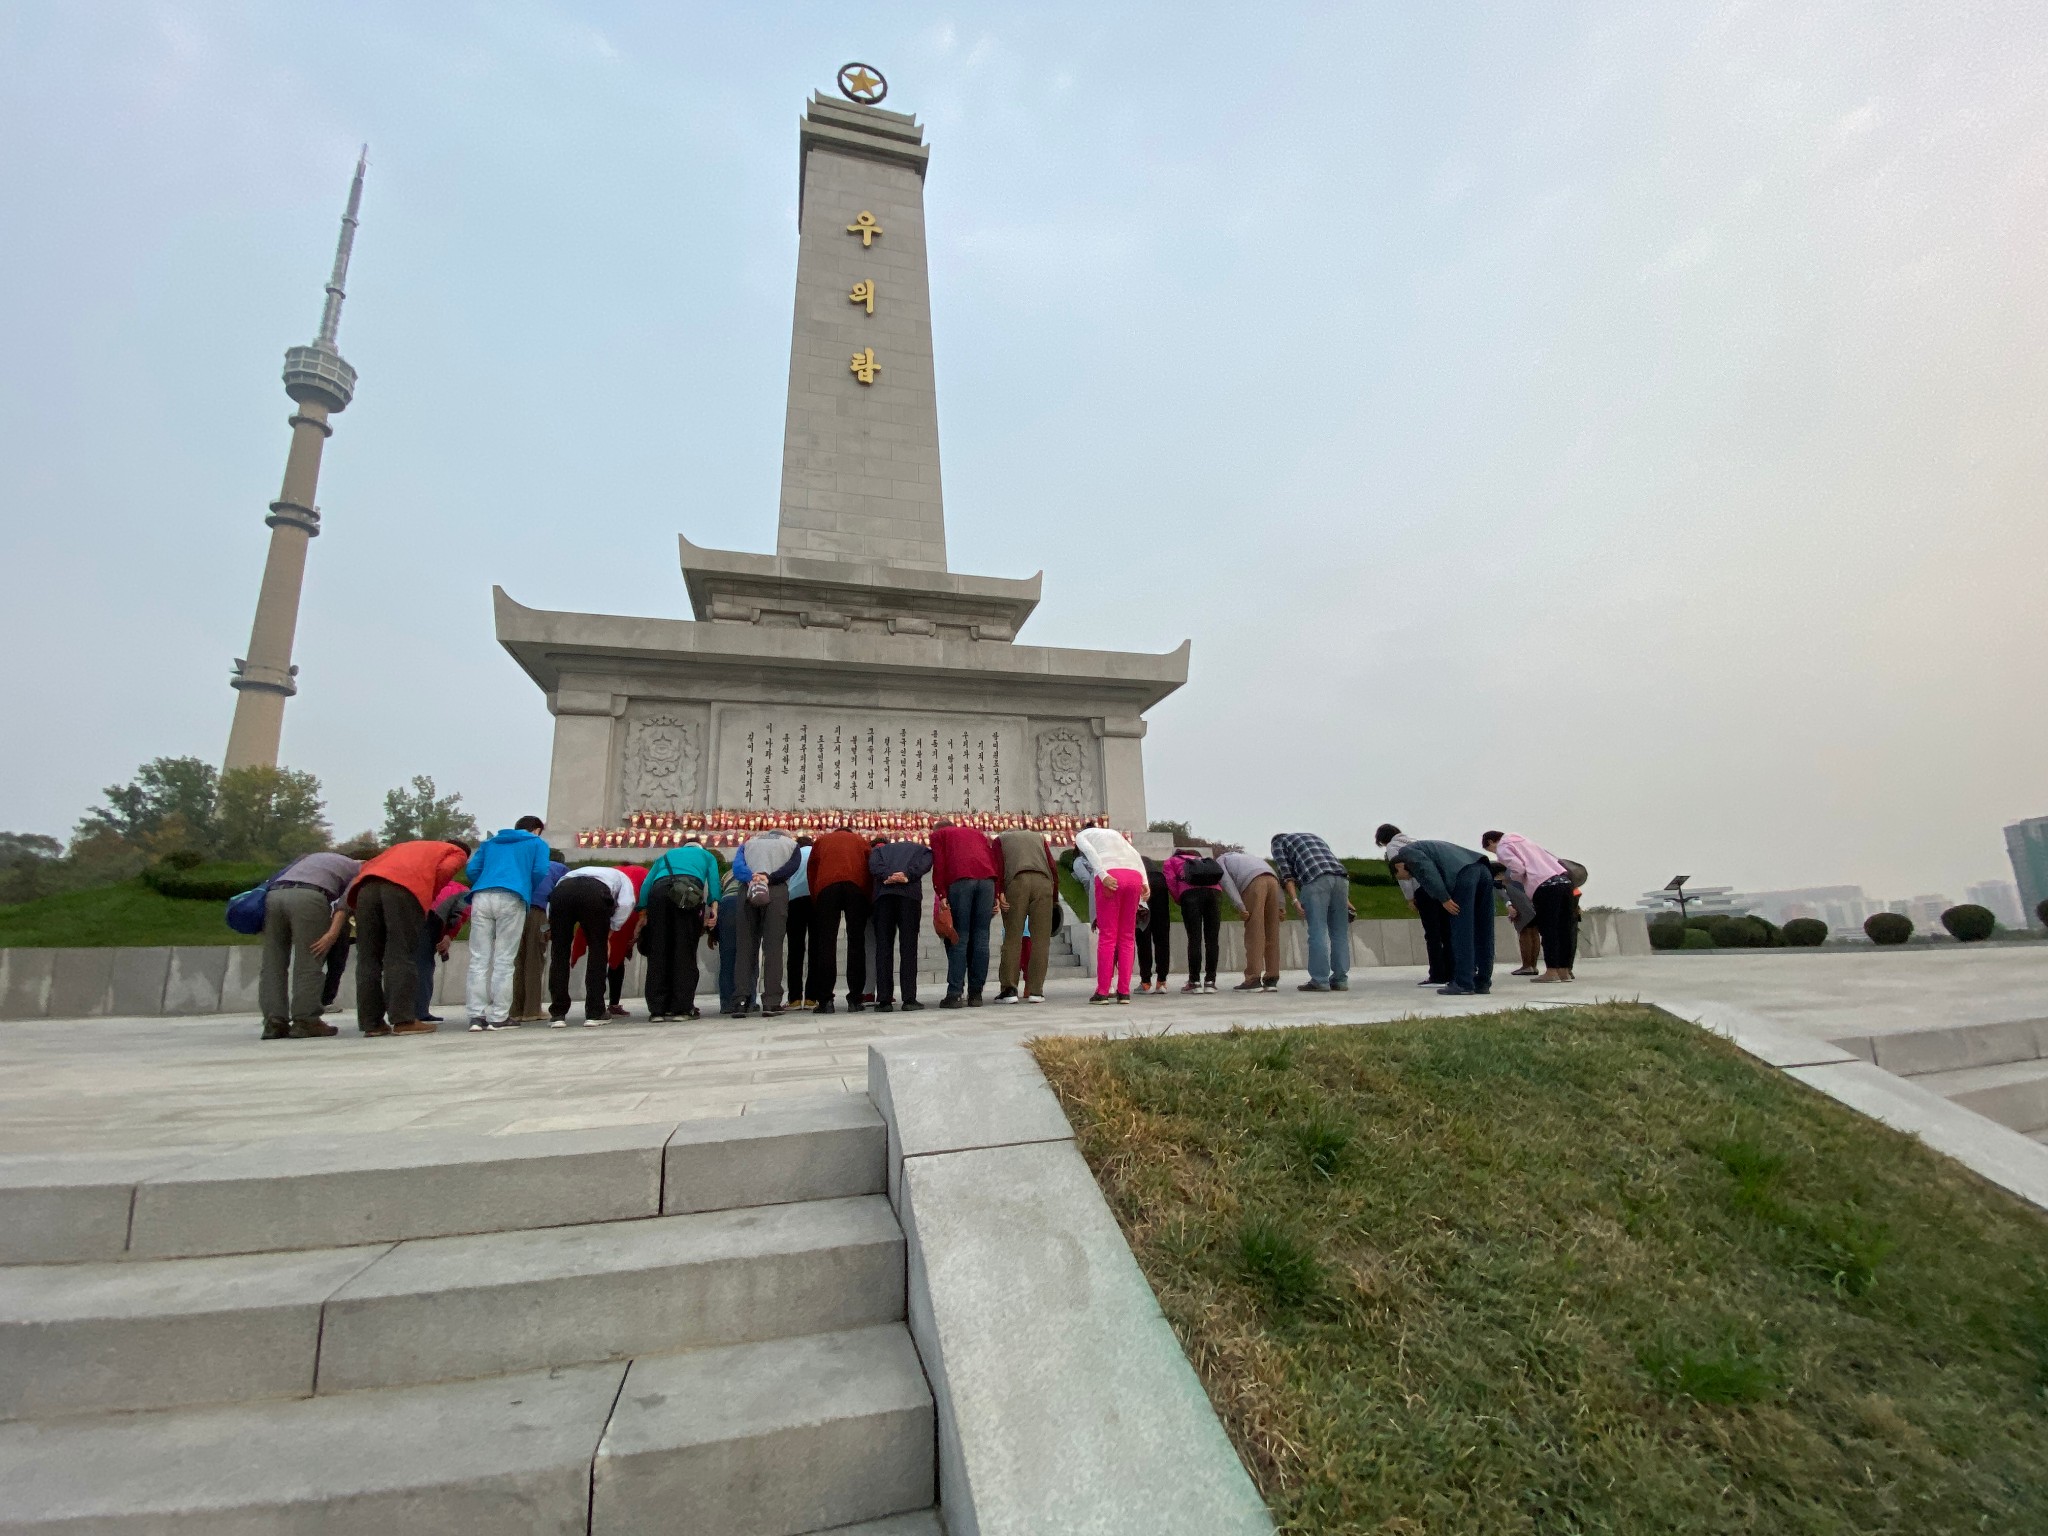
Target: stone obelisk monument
(852, 672)
(321, 384)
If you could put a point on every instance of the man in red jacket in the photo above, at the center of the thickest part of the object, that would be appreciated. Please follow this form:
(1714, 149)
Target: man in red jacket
(840, 887)
(390, 898)
(965, 868)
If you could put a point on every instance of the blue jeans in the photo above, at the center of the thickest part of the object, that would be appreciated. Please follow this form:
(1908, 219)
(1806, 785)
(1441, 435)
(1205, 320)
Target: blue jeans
(1326, 903)
(974, 908)
(728, 951)
(1472, 929)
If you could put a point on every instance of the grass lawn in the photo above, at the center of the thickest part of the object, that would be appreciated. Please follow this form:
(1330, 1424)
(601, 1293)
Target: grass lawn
(128, 913)
(1572, 1271)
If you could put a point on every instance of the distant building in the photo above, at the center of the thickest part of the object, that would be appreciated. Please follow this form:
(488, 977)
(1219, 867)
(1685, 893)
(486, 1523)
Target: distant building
(1925, 911)
(1700, 901)
(2001, 899)
(1839, 906)
(2026, 842)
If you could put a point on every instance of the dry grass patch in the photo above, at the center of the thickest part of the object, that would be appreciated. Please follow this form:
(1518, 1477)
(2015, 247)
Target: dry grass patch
(1583, 1270)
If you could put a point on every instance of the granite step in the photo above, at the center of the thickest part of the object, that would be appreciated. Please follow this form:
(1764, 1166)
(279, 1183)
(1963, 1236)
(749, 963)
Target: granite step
(341, 1192)
(800, 1435)
(773, 1439)
(148, 1334)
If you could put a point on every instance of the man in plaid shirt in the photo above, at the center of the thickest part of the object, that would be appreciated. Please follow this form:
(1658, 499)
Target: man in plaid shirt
(1320, 886)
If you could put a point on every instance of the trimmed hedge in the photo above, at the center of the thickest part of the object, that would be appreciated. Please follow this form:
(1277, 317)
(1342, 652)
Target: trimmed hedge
(1369, 872)
(204, 882)
(1969, 923)
(1697, 938)
(1743, 933)
(2041, 911)
(1888, 927)
(1667, 933)
(1806, 932)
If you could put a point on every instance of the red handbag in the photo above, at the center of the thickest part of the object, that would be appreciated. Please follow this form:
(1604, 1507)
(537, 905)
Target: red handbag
(942, 921)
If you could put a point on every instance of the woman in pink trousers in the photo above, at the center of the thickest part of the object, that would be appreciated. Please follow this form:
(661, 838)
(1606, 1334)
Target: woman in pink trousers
(1115, 876)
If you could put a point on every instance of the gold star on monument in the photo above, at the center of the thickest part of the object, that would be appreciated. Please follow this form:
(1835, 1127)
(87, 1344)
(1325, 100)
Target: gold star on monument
(860, 81)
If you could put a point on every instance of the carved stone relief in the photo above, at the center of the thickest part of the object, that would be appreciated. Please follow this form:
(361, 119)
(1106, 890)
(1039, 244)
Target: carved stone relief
(1066, 772)
(660, 770)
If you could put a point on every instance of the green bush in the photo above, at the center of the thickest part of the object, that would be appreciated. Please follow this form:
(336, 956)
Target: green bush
(1888, 927)
(1969, 923)
(1667, 933)
(1743, 933)
(1806, 932)
(205, 882)
(1697, 938)
(2041, 911)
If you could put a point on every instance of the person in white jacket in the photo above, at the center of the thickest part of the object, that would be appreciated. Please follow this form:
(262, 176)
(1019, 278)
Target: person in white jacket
(598, 901)
(1114, 873)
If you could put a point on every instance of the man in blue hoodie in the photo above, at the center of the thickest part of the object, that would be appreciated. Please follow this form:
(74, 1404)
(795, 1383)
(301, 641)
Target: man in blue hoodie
(505, 874)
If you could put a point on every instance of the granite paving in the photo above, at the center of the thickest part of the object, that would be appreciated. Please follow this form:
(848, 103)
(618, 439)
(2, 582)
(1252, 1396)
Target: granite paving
(109, 1083)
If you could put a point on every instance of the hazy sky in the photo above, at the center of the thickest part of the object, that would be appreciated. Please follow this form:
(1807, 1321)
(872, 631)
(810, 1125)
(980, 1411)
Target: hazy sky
(1623, 424)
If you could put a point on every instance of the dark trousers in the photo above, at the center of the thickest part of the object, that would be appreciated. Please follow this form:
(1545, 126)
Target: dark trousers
(672, 934)
(845, 899)
(973, 903)
(430, 940)
(1155, 936)
(584, 904)
(895, 922)
(1436, 935)
(388, 923)
(337, 962)
(1201, 912)
(800, 949)
(1557, 919)
(727, 938)
(1472, 928)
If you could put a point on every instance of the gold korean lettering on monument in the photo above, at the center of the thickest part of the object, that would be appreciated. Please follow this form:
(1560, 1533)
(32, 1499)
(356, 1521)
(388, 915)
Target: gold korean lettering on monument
(863, 293)
(865, 226)
(863, 366)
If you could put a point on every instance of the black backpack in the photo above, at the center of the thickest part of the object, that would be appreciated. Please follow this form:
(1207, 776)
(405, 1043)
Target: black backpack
(1201, 872)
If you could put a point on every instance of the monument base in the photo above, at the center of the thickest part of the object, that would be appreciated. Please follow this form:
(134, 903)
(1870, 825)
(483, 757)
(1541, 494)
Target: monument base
(810, 686)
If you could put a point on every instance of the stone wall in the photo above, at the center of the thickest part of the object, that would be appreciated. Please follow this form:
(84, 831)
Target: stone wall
(222, 978)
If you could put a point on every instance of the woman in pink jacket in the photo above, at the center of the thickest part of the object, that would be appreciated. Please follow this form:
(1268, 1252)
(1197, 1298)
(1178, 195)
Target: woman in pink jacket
(1115, 873)
(1544, 879)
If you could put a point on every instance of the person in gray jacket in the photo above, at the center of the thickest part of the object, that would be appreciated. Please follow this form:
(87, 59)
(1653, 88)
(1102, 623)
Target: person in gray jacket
(1461, 879)
(1254, 889)
(764, 865)
(298, 914)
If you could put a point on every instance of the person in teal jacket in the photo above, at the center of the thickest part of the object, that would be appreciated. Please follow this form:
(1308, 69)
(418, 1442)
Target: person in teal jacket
(672, 931)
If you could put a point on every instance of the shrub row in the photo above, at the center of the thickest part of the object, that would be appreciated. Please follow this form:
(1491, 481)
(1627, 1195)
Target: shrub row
(190, 881)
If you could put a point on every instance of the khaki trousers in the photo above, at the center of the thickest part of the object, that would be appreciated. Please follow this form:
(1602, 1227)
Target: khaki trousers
(529, 978)
(1262, 929)
(1030, 897)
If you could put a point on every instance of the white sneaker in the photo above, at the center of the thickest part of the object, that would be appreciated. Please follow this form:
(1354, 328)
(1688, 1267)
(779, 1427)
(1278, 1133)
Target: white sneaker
(1035, 998)
(476, 1026)
(1208, 986)
(1013, 998)
(558, 1023)
(593, 1023)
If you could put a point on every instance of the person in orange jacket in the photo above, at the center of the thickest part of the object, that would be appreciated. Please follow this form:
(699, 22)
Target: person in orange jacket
(390, 898)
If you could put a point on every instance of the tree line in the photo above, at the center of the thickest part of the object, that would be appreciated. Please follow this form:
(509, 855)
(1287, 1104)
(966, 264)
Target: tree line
(184, 811)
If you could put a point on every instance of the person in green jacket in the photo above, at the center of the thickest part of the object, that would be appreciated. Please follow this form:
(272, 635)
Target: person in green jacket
(680, 899)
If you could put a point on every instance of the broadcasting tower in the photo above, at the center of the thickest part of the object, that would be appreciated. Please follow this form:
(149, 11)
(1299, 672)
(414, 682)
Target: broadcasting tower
(321, 385)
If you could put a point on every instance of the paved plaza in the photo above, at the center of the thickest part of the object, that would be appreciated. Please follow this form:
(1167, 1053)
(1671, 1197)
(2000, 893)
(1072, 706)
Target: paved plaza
(83, 1084)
